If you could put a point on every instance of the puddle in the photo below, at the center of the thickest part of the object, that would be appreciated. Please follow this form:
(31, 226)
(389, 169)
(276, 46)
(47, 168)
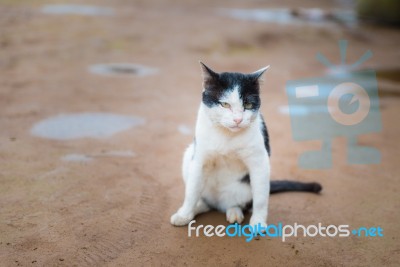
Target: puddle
(122, 69)
(185, 130)
(76, 158)
(77, 10)
(296, 16)
(91, 157)
(81, 125)
(117, 153)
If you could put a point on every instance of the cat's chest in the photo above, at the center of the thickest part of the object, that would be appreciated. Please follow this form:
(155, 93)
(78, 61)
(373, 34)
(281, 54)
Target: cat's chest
(220, 146)
(221, 163)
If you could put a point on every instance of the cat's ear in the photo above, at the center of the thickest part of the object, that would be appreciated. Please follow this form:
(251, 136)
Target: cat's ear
(208, 74)
(257, 75)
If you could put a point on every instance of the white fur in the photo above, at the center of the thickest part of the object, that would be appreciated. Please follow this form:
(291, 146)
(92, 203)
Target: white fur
(222, 154)
(226, 116)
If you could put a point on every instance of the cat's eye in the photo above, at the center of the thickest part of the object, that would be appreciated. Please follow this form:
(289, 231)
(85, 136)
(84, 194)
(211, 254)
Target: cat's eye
(248, 105)
(225, 105)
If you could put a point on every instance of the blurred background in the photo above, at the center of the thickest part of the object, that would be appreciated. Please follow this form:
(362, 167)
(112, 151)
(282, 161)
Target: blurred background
(98, 100)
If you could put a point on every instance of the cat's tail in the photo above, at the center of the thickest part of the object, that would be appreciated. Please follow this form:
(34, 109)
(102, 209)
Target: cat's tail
(279, 186)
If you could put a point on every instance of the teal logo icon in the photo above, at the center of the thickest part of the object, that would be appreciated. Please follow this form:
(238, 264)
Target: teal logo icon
(343, 103)
(349, 103)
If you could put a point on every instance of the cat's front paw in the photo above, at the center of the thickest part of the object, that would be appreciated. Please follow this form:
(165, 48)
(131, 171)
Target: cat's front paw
(234, 214)
(258, 223)
(179, 219)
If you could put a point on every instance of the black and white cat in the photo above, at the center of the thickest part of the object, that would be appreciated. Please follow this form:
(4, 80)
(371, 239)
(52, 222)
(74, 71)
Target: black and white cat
(227, 166)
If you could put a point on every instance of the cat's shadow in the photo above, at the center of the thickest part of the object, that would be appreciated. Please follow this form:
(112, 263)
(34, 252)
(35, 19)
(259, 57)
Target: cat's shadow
(215, 217)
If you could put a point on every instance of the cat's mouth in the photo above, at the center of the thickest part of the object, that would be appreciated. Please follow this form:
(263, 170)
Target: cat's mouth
(235, 128)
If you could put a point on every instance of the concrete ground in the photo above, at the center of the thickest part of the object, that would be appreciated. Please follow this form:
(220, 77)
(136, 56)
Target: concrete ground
(107, 201)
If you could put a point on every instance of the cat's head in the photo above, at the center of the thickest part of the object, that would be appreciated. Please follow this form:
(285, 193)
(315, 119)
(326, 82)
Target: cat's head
(232, 100)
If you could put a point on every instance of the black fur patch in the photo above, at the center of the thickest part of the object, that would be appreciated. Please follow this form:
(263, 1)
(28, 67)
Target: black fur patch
(288, 186)
(266, 136)
(246, 179)
(217, 84)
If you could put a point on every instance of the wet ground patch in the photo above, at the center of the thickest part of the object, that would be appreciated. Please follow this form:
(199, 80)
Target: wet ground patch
(81, 125)
(122, 69)
(81, 158)
(294, 16)
(83, 10)
(185, 130)
(76, 158)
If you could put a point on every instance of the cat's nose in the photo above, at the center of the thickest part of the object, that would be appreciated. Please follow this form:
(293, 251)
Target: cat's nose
(238, 120)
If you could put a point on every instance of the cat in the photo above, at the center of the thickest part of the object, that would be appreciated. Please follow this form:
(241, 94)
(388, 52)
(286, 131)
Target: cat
(227, 166)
